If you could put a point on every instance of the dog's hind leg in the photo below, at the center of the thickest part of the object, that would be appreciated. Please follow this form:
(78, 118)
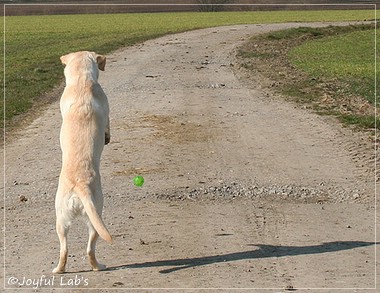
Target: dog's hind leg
(62, 235)
(93, 236)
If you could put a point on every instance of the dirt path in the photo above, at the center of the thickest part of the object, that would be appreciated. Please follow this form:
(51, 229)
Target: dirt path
(242, 189)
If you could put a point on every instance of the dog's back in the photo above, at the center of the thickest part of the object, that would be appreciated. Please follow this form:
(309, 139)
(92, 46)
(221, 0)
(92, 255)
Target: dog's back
(83, 130)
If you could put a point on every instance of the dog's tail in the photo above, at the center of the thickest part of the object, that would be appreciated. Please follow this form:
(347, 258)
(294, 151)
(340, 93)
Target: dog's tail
(85, 195)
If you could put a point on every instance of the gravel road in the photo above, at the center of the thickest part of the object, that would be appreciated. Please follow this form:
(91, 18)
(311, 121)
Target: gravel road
(242, 190)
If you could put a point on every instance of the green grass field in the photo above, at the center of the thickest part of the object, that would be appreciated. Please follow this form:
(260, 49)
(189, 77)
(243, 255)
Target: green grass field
(350, 58)
(331, 69)
(33, 44)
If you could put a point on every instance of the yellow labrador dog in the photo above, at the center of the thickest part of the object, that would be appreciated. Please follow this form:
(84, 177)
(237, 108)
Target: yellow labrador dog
(84, 132)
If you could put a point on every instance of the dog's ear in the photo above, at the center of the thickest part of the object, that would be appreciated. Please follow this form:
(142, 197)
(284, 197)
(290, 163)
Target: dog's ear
(101, 60)
(64, 59)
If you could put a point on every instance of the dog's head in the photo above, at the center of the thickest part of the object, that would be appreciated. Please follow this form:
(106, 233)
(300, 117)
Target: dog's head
(82, 63)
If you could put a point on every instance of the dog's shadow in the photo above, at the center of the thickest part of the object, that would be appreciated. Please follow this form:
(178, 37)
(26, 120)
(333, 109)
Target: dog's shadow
(262, 251)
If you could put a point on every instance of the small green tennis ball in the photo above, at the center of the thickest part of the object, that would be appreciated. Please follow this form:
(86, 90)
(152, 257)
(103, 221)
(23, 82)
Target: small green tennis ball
(138, 181)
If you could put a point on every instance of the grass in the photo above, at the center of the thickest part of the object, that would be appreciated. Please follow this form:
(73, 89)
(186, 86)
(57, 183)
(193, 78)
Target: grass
(33, 44)
(331, 69)
(349, 58)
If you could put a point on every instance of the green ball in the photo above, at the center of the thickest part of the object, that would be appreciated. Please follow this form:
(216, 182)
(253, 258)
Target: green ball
(138, 181)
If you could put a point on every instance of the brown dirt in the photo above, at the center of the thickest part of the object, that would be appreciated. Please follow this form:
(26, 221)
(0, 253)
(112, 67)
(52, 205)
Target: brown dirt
(242, 189)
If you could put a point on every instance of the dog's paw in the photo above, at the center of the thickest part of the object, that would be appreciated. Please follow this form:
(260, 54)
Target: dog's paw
(107, 139)
(58, 270)
(99, 267)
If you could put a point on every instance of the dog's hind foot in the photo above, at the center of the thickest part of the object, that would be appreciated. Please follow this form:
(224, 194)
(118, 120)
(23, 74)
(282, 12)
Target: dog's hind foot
(99, 267)
(58, 270)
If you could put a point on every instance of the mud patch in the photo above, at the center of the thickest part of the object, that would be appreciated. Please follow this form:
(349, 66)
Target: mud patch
(176, 130)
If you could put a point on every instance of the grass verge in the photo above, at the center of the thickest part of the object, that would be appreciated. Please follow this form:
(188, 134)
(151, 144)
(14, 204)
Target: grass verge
(33, 44)
(331, 69)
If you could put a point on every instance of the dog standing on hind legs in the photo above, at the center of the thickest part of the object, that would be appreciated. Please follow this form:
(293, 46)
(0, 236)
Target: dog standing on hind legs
(84, 132)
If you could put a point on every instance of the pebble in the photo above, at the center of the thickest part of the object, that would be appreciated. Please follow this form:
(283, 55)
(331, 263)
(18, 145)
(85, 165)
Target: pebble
(22, 198)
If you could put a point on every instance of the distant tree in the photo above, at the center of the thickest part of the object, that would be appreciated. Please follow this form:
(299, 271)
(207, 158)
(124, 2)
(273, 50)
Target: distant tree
(213, 5)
